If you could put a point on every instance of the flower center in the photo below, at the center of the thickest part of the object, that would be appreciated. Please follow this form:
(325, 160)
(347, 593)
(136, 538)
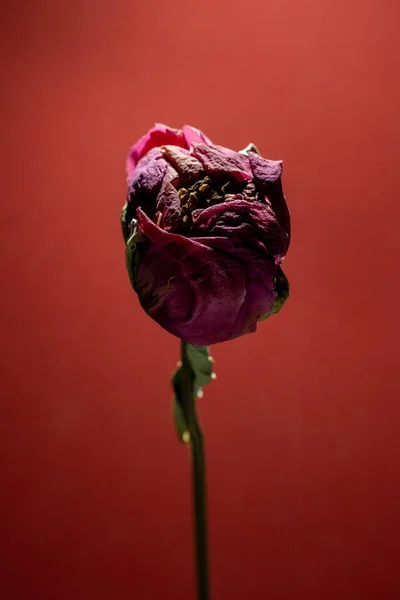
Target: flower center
(209, 191)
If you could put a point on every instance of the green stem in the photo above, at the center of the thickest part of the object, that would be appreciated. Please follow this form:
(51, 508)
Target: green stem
(199, 487)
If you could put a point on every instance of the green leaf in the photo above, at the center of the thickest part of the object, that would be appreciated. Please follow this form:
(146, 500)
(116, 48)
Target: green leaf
(282, 289)
(202, 367)
(125, 222)
(181, 425)
(132, 257)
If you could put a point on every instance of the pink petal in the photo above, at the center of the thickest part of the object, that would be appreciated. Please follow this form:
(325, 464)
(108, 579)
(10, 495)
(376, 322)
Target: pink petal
(195, 136)
(159, 135)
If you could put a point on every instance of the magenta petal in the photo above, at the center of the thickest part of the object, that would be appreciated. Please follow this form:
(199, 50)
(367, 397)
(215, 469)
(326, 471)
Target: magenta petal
(251, 225)
(192, 291)
(219, 161)
(267, 177)
(260, 273)
(195, 136)
(159, 135)
(168, 207)
(157, 235)
(147, 180)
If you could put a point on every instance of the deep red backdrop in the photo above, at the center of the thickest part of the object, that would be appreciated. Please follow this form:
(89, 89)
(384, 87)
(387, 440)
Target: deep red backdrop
(302, 423)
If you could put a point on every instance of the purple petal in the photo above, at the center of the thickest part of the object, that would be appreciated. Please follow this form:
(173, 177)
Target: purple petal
(267, 177)
(147, 180)
(168, 207)
(218, 161)
(187, 166)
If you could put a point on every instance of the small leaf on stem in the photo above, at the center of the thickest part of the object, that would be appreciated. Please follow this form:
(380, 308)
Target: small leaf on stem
(201, 364)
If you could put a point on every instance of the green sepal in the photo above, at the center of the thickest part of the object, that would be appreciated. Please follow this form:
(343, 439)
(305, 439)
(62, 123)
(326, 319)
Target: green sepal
(181, 424)
(250, 148)
(282, 289)
(126, 219)
(202, 367)
(131, 255)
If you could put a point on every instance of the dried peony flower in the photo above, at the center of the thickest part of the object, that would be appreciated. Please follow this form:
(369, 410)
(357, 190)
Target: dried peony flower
(206, 229)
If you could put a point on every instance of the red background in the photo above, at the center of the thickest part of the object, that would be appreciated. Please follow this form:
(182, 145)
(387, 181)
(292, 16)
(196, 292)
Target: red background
(302, 423)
